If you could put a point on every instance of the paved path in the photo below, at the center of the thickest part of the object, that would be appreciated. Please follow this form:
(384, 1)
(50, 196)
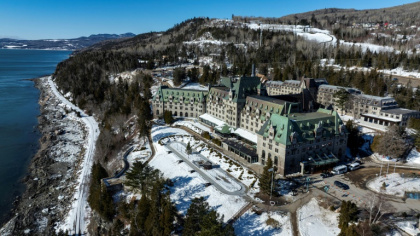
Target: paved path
(125, 168)
(77, 214)
(172, 146)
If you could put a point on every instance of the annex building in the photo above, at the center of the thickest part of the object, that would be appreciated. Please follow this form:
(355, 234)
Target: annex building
(290, 130)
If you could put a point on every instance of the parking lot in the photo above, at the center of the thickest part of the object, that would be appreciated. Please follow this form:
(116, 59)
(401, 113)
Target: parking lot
(357, 191)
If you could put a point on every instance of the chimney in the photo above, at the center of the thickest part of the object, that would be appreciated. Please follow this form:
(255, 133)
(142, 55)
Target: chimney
(253, 70)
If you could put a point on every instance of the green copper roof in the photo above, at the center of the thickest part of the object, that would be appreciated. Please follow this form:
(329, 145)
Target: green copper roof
(180, 95)
(239, 88)
(302, 127)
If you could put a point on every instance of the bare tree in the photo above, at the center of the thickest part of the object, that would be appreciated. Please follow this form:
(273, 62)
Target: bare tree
(391, 143)
(377, 206)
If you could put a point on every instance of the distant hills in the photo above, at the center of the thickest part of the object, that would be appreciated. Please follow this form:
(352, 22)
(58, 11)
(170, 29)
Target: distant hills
(62, 44)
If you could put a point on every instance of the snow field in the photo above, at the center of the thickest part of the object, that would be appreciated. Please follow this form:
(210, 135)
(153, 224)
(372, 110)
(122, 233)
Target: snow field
(188, 185)
(194, 126)
(409, 227)
(395, 184)
(225, 163)
(216, 174)
(251, 223)
(315, 220)
(141, 152)
(413, 157)
(196, 86)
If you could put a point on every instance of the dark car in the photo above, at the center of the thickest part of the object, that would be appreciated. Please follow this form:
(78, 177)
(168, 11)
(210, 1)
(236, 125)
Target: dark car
(326, 175)
(341, 185)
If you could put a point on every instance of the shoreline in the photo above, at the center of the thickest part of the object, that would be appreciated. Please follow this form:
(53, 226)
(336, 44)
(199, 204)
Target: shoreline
(52, 174)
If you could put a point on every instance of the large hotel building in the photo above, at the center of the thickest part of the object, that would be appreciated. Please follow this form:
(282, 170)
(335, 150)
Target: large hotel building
(285, 121)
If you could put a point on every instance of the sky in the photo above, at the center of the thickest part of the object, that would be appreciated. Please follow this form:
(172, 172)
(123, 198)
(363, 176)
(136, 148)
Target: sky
(61, 19)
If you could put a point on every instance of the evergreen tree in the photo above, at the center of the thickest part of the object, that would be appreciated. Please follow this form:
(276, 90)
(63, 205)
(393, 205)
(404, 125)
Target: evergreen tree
(168, 215)
(167, 117)
(353, 137)
(141, 176)
(179, 75)
(188, 149)
(266, 177)
(152, 225)
(140, 215)
(348, 213)
(198, 209)
(341, 98)
(99, 199)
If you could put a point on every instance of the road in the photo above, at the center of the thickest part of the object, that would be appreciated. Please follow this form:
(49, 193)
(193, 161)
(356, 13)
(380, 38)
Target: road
(76, 218)
(172, 146)
(125, 168)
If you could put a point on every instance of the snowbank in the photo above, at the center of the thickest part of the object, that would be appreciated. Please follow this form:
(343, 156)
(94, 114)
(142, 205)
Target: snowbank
(413, 157)
(409, 227)
(395, 184)
(251, 223)
(196, 86)
(315, 220)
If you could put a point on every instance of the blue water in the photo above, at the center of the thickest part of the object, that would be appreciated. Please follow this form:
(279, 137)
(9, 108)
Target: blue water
(18, 116)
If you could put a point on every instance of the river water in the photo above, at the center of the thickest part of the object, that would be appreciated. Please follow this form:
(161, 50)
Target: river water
(18, 116)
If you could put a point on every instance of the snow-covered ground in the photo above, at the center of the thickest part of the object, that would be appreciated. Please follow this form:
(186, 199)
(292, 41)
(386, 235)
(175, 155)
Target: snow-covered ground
(413, 157)
(318, 35)
(196, 86)
(395, 184)
(78, 216)
(234, 168)
(410, 227)
(193, 125)
(251, 223)
(189, 185)
(401, 72)
(141, 151)
(315, 220)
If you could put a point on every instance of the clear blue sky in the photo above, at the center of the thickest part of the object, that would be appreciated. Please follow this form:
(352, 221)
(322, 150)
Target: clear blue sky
(32, 19)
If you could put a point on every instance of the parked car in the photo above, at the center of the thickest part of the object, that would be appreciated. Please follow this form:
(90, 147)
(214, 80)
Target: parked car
(341, 185)
(326, 175)
(339, 170)
(354, 166)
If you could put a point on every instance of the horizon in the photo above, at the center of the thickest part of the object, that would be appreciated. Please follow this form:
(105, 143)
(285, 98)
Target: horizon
(74, 19)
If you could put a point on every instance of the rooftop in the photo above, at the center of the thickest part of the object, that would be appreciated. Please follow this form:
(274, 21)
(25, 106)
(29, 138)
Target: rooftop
(268, 99)
(399, 111)
(308, 116)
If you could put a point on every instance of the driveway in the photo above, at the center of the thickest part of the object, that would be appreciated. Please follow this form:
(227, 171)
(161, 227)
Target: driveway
(172, 146)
